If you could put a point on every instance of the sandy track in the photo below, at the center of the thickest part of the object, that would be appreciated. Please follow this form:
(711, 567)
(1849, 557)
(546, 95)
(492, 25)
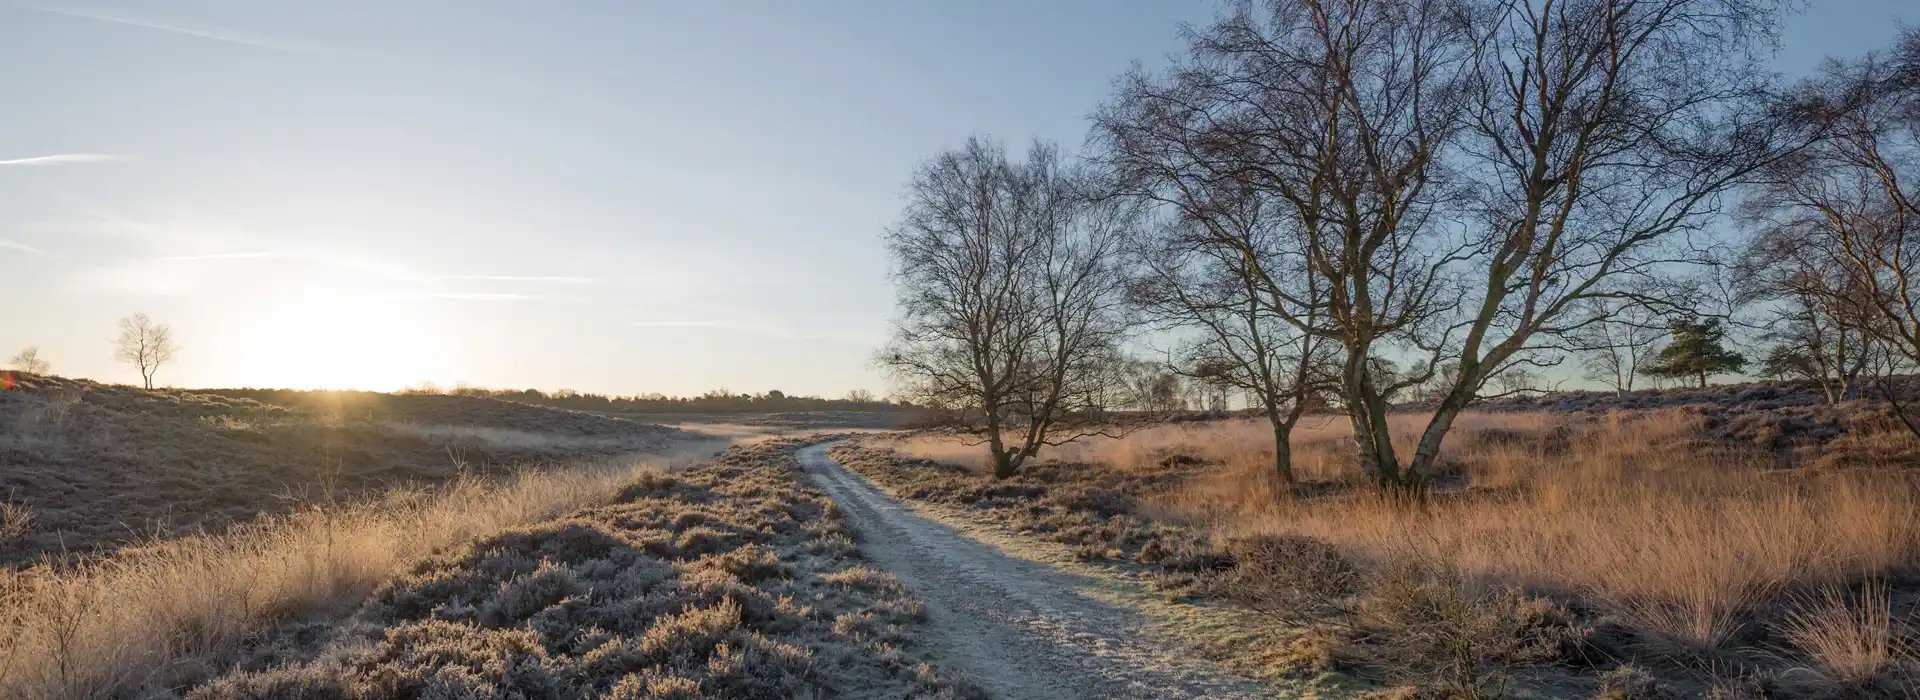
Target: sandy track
(1020, 628)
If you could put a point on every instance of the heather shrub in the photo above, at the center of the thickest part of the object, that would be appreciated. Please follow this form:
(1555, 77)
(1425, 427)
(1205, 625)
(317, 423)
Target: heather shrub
(1436, 628)
(743, 606)
(1630, 682)
(1299, 580)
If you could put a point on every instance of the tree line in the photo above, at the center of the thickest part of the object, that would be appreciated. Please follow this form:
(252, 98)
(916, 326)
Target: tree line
(1334, 203)
(715, 401)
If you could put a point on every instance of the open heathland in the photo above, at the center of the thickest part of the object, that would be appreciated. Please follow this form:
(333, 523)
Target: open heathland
(87, 467)
(726, 580)
(1624, 555)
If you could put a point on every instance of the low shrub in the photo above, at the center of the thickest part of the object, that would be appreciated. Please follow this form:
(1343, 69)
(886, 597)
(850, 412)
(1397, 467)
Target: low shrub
(745, 605)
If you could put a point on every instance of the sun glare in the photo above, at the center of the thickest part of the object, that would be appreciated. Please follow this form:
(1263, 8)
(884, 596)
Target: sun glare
(338, 343)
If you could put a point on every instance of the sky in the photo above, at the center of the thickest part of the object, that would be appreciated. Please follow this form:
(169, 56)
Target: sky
(618, 196)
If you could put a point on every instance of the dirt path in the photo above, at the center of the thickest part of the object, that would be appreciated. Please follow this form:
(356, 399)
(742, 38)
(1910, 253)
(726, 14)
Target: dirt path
(1020, 628)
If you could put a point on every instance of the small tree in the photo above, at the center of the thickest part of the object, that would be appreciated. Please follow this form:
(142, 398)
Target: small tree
(1697, 351)
(1151, 388)
(29, 361)
(145, 345)
(1622, 339)
(1010, 299)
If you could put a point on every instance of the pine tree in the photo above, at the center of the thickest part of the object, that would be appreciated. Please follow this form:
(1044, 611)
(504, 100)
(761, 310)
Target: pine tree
(1696, 351)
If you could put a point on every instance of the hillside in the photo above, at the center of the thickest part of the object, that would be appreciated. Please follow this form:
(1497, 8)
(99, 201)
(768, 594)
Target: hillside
(1791, 419)
(98, 466)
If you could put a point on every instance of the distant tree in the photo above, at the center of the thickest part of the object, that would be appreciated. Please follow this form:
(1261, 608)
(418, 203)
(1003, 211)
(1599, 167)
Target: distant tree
(1517, 380)
(29, 361)
(1010, 298)
(776, 395)
(1698, 350)
(1623, 337)
(1151, 388)
(1786, 362)
(145, 345)
(1437, 386)
(1816, 347)
(859, 396)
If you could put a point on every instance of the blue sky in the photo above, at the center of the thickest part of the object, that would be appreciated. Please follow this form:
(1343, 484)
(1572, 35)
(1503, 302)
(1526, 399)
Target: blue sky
(608, 196)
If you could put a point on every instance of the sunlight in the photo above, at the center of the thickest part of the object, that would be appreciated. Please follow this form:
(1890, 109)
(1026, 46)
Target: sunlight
(337, 342)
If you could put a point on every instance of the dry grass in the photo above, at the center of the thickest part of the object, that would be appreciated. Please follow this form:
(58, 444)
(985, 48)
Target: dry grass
(102, 466)
(1853, 641)
(157, 615)
(1686, 541)
(1678, 548)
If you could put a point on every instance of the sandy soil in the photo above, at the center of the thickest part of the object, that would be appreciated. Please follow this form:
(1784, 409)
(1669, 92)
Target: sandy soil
(1020, 628)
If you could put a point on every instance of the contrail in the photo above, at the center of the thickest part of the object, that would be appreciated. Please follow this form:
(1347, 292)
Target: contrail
(62, 159)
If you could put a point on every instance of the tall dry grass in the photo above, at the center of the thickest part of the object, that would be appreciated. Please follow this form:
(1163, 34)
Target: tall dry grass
(157, 616)
(1631, 511)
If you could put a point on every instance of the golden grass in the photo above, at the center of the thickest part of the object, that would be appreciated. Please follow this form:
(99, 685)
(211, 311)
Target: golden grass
(153, 617)
(1627, 510)
(1852, 642)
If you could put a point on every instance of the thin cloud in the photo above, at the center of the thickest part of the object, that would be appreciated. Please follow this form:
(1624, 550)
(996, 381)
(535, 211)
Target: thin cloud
(232, 256)
(765, 329)
(221, 35)
(377, 268)
(63, 159)
(520, 278)
(22, 247)
(677, 324)
(484, 296)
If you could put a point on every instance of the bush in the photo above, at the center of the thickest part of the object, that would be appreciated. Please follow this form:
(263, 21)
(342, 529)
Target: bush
(1629, 682)
(1438, 629)
(1299, 580)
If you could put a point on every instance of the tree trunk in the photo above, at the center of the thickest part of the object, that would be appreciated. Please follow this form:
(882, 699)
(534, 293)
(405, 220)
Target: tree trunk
(1375, 440)
(1282, 452)
(1003, 464)
(1703, 379)
(1420, 472)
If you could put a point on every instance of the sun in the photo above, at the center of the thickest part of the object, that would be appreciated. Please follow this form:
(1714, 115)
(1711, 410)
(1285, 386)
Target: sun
(338, 342)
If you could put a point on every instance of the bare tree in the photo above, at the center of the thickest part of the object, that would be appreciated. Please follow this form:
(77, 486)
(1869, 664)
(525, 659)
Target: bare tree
(1839, 248)
(29, 361)
(1466, 176)
(1206, 272)
(1622, 336)
(1151, 387)
(1010, 298)
(145, 345)
(1600, 135)
(1816, 317)
(1301, 138)
(1517, 380)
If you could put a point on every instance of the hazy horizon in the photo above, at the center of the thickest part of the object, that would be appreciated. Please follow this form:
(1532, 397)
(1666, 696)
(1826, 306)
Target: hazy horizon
(610, 197)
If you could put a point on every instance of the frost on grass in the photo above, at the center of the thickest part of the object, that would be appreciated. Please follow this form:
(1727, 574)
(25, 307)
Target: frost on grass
(727, 580)
(1087, 507)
